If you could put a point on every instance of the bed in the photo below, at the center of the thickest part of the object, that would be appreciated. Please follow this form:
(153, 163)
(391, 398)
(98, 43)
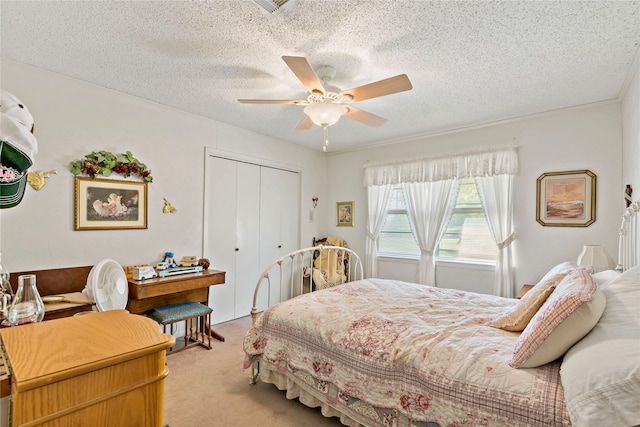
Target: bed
(376, 352)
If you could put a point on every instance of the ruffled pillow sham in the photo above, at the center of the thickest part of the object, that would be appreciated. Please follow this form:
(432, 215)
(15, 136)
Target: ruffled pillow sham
(572, 310)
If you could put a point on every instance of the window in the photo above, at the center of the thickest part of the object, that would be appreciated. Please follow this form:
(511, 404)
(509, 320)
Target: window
(467, 236)
(396, 236)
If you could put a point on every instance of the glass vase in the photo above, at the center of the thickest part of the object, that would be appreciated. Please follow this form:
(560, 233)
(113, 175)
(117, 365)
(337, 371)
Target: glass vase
(27, 306)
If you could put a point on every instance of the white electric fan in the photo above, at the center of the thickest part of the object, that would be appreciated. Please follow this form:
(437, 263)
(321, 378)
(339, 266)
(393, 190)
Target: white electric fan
(107, 286)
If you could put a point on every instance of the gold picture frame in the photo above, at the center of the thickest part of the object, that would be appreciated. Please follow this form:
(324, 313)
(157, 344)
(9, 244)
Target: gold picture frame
(344, 214)
(566, 199)
(105, 204)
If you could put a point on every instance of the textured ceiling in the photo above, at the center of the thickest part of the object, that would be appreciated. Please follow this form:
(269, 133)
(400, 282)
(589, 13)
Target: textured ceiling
(470, 62)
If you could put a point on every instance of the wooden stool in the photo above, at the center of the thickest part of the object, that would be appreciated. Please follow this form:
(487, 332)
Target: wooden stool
(190, 313)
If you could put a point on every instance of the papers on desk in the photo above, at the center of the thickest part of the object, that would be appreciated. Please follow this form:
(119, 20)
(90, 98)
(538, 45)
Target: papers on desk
(68, 301)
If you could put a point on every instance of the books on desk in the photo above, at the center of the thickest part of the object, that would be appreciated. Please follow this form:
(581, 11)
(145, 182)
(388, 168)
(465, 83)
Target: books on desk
(179, 270)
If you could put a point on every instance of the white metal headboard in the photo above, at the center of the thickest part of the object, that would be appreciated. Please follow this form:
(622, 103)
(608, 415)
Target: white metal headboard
(290, 271)
(629, 243)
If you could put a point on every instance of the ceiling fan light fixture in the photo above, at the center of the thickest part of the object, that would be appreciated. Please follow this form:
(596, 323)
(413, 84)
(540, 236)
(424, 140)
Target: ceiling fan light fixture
(325, 113)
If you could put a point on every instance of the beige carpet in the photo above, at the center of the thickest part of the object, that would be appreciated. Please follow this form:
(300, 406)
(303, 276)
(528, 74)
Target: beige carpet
(209, 388)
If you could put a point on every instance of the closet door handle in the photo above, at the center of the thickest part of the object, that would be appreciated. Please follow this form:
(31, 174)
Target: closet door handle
(279, 246)
(237, 249)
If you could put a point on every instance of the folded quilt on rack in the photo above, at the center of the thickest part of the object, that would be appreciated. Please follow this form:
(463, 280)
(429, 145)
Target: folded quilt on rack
(329, 266)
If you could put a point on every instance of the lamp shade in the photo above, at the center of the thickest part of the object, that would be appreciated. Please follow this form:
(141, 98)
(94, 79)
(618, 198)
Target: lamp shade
(596, 257)
(325, 113)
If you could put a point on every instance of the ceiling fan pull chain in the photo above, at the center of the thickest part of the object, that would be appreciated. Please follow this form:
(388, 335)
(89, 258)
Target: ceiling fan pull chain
(326, 137)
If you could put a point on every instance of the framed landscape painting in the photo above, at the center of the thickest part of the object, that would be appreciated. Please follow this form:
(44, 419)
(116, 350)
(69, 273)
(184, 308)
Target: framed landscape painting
(566, 199)
(104, 204)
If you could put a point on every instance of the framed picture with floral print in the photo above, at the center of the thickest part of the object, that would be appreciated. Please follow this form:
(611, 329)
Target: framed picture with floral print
(104, 204)
(344, 214)
(566, 199)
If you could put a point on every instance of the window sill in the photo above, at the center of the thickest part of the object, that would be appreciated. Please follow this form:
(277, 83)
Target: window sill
(467, 263)
(457, 263)
(399, 258)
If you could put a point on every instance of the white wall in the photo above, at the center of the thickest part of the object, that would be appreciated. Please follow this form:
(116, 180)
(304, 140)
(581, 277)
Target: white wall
(631, 134)
(72, 119)
(575, 139)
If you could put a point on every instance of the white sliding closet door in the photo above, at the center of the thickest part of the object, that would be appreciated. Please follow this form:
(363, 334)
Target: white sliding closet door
(289, 220)
(220, 226)
(247, 236)
(270, 244)
(279, 224)
(251, 219)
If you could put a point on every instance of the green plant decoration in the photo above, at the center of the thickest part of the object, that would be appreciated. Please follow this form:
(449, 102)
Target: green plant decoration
(105, 163)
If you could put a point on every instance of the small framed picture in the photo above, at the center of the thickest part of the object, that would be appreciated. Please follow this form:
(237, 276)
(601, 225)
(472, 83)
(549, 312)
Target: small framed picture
(104, 204)
(344, 214)
(566, 199)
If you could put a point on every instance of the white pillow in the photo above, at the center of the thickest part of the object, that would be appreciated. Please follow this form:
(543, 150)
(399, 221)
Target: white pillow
(565, 267)
(601, 373)
(604, 278)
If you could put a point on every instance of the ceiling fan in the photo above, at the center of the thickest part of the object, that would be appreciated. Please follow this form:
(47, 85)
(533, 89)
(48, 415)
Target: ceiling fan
(324, 107)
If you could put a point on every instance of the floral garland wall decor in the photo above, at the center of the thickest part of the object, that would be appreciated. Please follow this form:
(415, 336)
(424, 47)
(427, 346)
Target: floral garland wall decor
(105, 163)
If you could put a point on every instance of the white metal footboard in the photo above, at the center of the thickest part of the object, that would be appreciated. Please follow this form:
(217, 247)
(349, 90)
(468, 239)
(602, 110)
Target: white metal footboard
(295, 271)
(629, 243)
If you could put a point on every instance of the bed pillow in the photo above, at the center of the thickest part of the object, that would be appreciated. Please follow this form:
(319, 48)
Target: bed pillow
(562, 268)
(601, 373)
(604, 278)
(568, 315)
(517, 317)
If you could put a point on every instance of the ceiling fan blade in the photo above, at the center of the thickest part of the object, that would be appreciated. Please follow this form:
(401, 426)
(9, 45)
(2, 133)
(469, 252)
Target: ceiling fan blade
(273, 101)
(305, 124)
(305, 73)
(364, 117)
(396, 84)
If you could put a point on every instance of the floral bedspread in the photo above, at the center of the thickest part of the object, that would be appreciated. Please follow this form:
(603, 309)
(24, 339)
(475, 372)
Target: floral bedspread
(422, 352)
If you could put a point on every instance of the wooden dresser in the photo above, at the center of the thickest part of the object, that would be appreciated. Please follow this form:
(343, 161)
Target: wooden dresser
(143, 294)
(100, 370)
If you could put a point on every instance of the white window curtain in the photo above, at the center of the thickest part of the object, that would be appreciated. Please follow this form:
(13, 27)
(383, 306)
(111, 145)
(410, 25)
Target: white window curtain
(429, 207)
(378, 197)
(500, 162)
(497, 195)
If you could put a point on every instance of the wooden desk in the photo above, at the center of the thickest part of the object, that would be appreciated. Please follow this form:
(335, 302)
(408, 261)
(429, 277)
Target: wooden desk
(73, 302)
(59, 281)
(104, 369)
(143, 294)
(152, 293)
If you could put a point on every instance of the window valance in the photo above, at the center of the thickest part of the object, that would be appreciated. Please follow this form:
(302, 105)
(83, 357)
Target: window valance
(468, 164)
